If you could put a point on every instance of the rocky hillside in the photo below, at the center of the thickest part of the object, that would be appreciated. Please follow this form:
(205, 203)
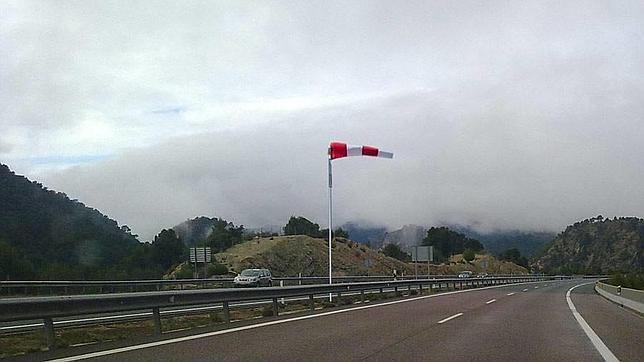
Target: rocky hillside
(596, 245)
(406, 237)
(290, 255)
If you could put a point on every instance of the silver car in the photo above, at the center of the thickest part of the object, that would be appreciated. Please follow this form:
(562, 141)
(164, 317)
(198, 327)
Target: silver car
(253, 278)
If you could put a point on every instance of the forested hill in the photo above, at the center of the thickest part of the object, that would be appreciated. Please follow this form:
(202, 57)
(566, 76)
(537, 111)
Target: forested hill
(45, 235)
(595, 246)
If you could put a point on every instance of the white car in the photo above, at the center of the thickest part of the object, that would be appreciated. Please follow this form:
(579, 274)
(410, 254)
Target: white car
(253, 278)
(465, 274)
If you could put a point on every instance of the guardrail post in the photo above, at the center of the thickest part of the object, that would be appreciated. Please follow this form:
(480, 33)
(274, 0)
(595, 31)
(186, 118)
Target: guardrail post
(311, 303)
(275, 307)
(156, 317)
(226, 308)
(362, 296)
(50, 336)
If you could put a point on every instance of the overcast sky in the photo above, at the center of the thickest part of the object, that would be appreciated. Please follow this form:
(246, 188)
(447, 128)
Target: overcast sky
(501, 114)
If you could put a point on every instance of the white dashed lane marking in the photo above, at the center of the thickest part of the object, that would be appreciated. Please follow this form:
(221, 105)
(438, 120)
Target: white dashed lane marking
(450, 318)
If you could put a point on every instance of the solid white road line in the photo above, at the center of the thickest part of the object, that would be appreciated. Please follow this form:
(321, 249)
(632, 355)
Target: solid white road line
(594, 338)
(259, 325)
(510, 294)
(490, 301)
(450, 318)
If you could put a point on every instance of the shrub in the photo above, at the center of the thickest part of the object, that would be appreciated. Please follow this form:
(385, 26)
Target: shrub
(217, 269)
(267, 311)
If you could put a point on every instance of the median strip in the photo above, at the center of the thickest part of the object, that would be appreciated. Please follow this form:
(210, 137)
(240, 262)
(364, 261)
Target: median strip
(490, 301)
(450, 318)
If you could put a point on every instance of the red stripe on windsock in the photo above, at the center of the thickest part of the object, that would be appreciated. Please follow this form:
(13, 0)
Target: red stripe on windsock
(337, 150)
(369, 151)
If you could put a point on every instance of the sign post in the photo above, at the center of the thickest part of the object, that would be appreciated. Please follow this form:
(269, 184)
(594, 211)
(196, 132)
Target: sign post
(201, 255)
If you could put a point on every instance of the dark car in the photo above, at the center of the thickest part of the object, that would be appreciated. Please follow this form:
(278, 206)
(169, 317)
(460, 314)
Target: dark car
(253, 278)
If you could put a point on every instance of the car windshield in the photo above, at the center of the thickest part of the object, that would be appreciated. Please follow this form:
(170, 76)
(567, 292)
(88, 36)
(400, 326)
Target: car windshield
(250, 273)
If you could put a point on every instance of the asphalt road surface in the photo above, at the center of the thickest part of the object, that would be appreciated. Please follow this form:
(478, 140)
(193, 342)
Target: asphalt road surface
(529, 322)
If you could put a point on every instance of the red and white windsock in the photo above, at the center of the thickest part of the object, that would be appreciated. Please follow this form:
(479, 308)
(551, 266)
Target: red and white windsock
(339, 150)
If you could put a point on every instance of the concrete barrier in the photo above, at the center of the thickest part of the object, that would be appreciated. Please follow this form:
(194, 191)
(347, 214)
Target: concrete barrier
(630, 298)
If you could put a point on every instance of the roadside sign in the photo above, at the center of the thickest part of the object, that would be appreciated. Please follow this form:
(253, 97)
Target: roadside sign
(420, 253)
(200, 255)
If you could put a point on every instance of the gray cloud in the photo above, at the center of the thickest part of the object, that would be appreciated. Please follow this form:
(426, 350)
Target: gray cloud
(504, 114)
(494, 164)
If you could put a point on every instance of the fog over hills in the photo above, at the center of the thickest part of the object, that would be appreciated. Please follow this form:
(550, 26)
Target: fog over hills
(507, 115)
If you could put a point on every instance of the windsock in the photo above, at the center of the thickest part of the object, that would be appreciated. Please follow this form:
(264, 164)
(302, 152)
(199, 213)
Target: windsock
(339, 150)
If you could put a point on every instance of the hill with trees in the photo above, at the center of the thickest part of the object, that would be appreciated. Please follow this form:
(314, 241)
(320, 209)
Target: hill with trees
(302, 226)
(45, 235)
(406, 237)
(364, 234)
(529, 243)
(195, 231)
(447, 242)
(596, 246)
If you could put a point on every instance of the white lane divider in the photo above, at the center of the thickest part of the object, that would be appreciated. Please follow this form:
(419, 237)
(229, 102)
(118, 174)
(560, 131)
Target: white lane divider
(525, 290)
(510, 294)
(490, 301)
(594, 338)
(536, 287)
(450, 318)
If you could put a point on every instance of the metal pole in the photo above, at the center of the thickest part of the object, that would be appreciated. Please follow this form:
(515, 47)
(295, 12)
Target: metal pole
(205, 265)
(416, 262)
(330, 222)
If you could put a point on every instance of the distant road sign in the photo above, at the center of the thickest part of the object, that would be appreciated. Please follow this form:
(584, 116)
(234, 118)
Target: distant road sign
(199, 255)
(422, 253)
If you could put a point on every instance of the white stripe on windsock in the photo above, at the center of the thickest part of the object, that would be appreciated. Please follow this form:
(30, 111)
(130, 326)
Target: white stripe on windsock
(385, 154)
(353, 150)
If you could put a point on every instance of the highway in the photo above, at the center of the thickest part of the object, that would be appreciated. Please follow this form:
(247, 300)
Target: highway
(531, 321)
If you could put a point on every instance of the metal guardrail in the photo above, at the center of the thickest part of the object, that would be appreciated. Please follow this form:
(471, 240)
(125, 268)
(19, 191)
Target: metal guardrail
(626, 297)
(62, 287)
(47, 308)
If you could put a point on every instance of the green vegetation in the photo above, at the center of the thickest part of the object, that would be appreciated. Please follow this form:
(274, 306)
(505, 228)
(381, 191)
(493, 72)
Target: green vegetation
(629, 280)
(303, 226)
(217, 269)
(447, 243)
(596, 246)
(394, 251)
(469, 255)
(513, 255)
(224, 234)
(168, 249)
(45, 235)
